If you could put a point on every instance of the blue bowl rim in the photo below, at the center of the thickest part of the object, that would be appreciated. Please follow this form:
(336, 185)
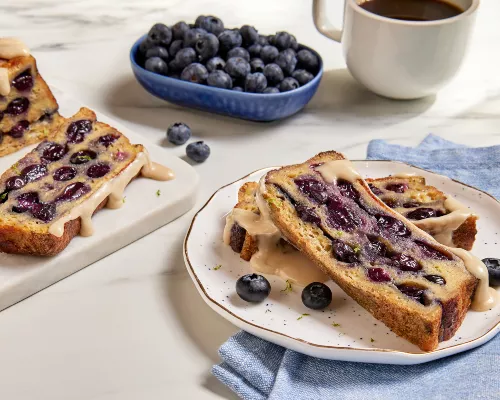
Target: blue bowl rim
(214, 90)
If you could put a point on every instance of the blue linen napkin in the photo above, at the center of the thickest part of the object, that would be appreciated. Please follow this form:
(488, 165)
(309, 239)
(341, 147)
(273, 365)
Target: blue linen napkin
(256, 369)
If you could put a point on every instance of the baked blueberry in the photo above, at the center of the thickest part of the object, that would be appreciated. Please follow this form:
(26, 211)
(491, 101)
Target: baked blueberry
(228, 40)
(179, 29)
(18, 129)
(160, 34)
(82, 157)
(178, 133)
(238, 52)
(288, 84)
(77, 130)
(44, 212)
(215, 64)
(192, 36)
(73, 191)
(270, 90)
(269, 53)
(65, 173)
(23, 82)
(184, 57)
(195, 73)
(198, 151)
(405, 262)
(493, 266)
(211, 24)
(207, 46)
(287, 62)
(14, 183)
(436, 279)
(422, 213)
(302, 76)
(157, 51)
(237, 67)
(156, 65)
(175, 46)
(307, 60)
(343, 252)
(274, 74)
(257, 65)
(32, 173)
(253, 288)
(282, 40)
(53, 152)
(17, 106)
(378, 275)
(98, 170)
(255, 83)
(254, 50)
(316, 296)
(219, 79)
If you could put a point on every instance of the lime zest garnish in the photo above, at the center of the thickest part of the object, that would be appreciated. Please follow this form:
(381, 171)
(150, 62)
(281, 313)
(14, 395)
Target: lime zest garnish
(288, 288)
(217, 267)
(335, 324)
(302, 316)
(158, 192)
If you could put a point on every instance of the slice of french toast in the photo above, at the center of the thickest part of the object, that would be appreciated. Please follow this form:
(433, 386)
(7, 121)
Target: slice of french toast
(401, 275)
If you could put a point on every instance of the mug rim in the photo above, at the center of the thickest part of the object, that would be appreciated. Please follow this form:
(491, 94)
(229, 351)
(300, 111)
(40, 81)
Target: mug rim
(473, 8)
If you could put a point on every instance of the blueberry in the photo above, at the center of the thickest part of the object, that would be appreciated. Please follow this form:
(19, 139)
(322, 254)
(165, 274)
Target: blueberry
(145, 45)
(302, 76)
(316, 296)
(238, 89)
(378, 275)
(307, 214)
(17, 106)
(228, 40)
(215, 64)
(253, 288)
(237, 67)
(422, 213)
(293, 43)
(307, 60)
(493, 265)
(270, 39)
(178, 133)
(160, 34)
(14, 182)
(291, 52)
(282, 40)
(249, 35)
(23, 82)
(184, 57)
(343, 252)
(192, 36)
(238, 52)
(288, 84)
(286, 61)
(312, 188)
(175, 46)
(392, 226)
(436, 279)
(347, 189)
(376, 191)
(414, 292)
(269, 54)
(77, 130)
(198, 20)
(32, 173)
(211, 24)
(207, 46)
(179, 29)
(156, 65)
(431, 252)
(98, 170)
(65, 173)
(157, 51)
(273, 73)
(270, 90)
(397, 187)
(254, 50)
(198, 151)
(257, 65)
(340, 216)
(262, 40)
(73, 191)
(18, 129)
(82, 157)
(405, 263)
(195, 73)
(26, 201)
(219, 79)
(255, 83)
(53, 152)
(44, 212)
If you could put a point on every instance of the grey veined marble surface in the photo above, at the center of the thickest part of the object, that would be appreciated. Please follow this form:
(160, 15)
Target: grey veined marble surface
(132, 325)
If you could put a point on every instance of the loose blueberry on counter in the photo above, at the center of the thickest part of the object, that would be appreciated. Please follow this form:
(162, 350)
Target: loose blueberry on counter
(255, 83)
(160, 34)
(302, 76)
(157, 51)
(493, 266)
(207, 46)
(18, 129)
(219, 79)
(192, 36)
(65, 174)
(237, 67)
(23, 82)
(257, 65)
(175, 47)
(179, 29)
(269, 53)
(274, 74)
(288, 84)
(249, 35)
(215, 64)
(211, 24)
(195, 73)
(228, 40)
(184, 57)
(156, 65)
(253, 288)
(178, 133)
(238, 52)
(198, 151)
(14, 182)
(307, 60)
(254, 50)
(17, 106)
(271, 90)
(316, 296)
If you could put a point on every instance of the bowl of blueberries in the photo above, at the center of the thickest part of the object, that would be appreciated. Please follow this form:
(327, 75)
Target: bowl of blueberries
(236, 72)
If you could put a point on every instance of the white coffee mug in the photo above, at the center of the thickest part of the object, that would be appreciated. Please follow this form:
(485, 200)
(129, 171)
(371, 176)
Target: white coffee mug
(397, 58)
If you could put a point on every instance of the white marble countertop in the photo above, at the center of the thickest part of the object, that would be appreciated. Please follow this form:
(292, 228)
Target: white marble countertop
(132, 325)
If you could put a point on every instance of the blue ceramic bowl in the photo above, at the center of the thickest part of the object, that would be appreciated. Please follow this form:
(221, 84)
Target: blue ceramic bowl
(252, 106)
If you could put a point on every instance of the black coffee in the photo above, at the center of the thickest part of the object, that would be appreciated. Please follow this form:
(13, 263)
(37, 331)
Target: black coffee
(412, 10)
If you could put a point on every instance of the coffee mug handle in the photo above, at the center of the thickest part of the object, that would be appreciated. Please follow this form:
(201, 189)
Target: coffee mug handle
(321, 22)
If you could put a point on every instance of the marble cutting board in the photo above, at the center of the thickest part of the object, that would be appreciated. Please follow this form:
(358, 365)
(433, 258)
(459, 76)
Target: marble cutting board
(143, 212)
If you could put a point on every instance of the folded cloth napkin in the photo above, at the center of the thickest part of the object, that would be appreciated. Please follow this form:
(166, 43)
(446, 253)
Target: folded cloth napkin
(256, 369)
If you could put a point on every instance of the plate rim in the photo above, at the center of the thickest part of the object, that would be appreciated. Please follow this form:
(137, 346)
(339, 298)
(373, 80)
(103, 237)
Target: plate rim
(456, 348)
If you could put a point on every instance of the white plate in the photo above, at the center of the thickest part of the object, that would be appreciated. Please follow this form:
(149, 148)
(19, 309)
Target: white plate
(344, 331)
(142, 213)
